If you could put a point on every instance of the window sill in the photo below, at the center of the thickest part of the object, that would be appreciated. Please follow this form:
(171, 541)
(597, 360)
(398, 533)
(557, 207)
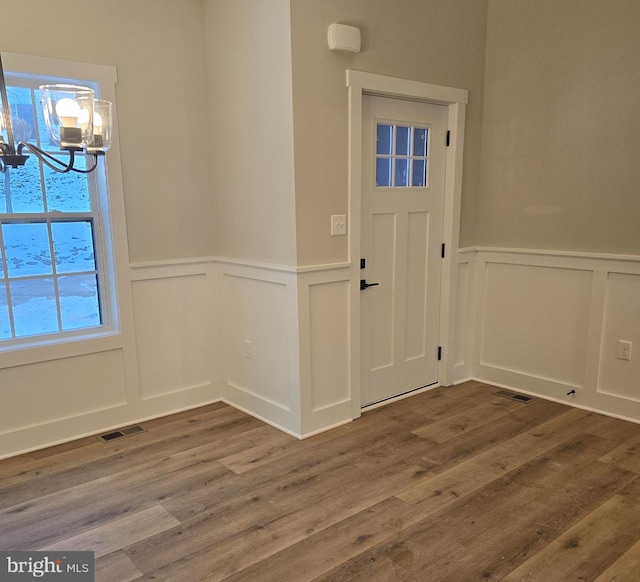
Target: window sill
(58, 348)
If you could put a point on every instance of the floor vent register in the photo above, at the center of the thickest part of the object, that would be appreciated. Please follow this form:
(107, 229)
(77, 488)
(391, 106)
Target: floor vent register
(514, 396)
(123, 432)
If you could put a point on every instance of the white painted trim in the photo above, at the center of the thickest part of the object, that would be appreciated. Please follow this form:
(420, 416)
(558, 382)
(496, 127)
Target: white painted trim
(467, 250)
(120, 332)
(323, 267)
(256, 264)
(553, 253)
(42, 66)
(395, 87)
(451, 238)
(558, 400)
(59, 349)
(106, 429)
(142, 265)
(139, 266)
(311, 433)
(255, 396)
(183, 262)
(360, 83)
(400, 397)
(263, 418)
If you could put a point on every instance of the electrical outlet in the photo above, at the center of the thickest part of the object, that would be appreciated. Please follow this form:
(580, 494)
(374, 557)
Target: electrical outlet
(247, 350)
(624, 350)
(338, 224)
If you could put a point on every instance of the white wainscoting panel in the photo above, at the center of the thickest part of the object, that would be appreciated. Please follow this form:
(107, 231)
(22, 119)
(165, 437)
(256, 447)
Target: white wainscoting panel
(50, 400)
(256, 313)
(164, 360)
(463, 340)
(52, 397)
(548, 323)
(621, 322)
(325, 349)
(173, 330)
(259, 306)
(329, 335)
(535, 321)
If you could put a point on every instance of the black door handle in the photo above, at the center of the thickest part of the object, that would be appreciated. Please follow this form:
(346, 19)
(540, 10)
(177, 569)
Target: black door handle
(364, 284)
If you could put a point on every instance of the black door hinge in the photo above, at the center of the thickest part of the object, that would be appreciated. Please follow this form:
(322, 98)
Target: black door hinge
(439, 353)
(448, 137)
(363, 263)
(442, 252)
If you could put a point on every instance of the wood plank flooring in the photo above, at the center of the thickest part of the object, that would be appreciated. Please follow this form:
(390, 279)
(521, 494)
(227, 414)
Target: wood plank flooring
(456, 484)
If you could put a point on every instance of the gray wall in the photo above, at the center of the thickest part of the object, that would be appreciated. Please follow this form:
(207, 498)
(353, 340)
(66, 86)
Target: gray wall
(250, 131)
(156, 46)
(561, 132)
(559, 126)
(434, 41)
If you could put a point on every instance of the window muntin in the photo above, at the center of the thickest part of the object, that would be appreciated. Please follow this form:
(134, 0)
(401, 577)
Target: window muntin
(53, 278)
(402, 156)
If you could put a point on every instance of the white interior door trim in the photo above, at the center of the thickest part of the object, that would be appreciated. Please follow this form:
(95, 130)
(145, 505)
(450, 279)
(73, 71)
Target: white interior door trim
(360, 83)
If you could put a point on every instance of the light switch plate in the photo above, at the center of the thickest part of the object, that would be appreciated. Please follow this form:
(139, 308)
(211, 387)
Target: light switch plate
(338, 224)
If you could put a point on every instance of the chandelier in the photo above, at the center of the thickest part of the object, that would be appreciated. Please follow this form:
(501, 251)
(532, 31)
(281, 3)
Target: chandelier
(76, 122)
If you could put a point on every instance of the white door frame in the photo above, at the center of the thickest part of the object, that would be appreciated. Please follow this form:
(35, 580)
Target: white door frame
(359, 84)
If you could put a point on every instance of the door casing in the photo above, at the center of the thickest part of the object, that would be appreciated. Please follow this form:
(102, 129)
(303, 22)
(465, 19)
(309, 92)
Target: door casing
(360, 83)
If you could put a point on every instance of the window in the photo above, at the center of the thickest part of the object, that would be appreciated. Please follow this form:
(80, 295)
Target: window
(54, 281)
(402, 156)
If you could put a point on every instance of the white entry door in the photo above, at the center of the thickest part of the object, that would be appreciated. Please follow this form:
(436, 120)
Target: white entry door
(403, 164)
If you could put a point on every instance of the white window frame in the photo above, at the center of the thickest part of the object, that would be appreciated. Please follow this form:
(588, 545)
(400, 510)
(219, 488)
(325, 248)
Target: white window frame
(110, 229)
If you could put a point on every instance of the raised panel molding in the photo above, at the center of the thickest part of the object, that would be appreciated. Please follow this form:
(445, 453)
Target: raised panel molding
(621, 322)
(329, 340)
(298, 377)
(535, 321)
(325, 349)
(260, 343)
(463, 344)
(257, 353)
(172, 334)
(548, 323)
(183, 348)
(305, 315)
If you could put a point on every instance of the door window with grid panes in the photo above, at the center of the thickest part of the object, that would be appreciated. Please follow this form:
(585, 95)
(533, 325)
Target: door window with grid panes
(52, 274)
(402, 156)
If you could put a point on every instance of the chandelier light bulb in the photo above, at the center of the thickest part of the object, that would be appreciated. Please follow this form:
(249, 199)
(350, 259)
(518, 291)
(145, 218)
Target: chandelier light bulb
(102, 127)
(97, 123)
(69, 112)
(83, 119)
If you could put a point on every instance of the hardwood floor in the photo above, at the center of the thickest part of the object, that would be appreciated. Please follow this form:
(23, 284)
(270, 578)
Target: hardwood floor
(454, 484)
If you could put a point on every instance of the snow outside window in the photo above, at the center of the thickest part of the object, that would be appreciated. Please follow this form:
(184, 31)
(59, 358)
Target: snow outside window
(53, 281)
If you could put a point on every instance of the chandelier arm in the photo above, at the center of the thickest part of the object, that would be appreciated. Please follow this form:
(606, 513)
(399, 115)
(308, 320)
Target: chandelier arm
(40, 153)
(88, 170)
(61, 167)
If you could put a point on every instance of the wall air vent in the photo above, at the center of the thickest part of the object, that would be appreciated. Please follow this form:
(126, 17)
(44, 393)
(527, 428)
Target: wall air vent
(514, 396)
(116, 434)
